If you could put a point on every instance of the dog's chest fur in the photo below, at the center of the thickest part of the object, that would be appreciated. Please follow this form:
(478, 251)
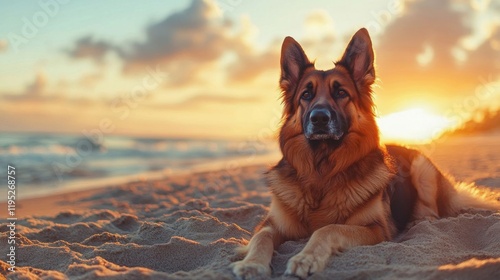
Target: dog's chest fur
(317, 201)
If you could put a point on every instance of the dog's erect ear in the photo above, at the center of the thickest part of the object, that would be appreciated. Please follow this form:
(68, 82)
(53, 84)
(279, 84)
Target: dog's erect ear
(358, 58)
(293, 61)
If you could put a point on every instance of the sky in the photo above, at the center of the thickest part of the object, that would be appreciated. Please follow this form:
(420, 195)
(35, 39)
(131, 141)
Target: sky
(210, 68)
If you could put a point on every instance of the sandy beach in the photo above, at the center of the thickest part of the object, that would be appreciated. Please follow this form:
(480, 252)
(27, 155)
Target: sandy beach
(140, 136)
(187, 227)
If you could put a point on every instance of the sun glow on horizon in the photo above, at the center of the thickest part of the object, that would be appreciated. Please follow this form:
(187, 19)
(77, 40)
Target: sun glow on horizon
(412, 126)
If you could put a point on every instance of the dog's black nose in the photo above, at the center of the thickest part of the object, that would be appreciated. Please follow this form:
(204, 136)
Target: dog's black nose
(320, 117)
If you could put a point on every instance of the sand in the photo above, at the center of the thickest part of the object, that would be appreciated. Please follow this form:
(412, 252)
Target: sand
(187, 227)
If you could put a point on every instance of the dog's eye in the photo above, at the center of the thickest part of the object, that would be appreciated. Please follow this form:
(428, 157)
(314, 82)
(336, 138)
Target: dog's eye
(307, 95)
(342, 94)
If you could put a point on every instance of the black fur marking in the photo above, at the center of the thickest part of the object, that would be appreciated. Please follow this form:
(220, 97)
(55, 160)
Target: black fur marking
(401, 191)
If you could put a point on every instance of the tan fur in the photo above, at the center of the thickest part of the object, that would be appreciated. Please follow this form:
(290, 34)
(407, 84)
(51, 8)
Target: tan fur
(425, 178)
(342, 194)
(440, 196)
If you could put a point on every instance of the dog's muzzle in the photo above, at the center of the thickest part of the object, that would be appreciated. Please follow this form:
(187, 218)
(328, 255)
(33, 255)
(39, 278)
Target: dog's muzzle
(322, 124)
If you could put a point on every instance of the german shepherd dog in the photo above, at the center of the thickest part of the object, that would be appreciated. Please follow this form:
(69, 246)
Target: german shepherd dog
(336, 183)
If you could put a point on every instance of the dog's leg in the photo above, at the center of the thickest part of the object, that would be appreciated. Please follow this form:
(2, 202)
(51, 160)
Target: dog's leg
(256, 264)
(328, 240)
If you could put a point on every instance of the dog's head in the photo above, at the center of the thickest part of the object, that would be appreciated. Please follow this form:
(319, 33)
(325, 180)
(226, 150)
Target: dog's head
(325, 106)
(328, 121)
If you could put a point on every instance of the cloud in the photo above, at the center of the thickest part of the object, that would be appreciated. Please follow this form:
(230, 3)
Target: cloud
(427, 22)
(320, 40)
(38, 92)
(89, 80)
(415, 55)
(201, 102)
(209, 100)
(223, 99)
(250, 64)
(486, 57)
(193, 34)
(3, 45)
(88, 47)
(34, 91)
(38, 86)
(191, 41)
(189, 44)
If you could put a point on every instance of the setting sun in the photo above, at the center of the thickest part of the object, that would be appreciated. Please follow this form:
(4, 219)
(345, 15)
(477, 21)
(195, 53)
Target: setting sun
(412, 126)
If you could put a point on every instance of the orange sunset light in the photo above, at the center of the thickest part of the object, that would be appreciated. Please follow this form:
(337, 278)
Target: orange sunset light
(413, 126)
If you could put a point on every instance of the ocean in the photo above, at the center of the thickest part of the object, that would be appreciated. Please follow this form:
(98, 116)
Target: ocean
(48, 163)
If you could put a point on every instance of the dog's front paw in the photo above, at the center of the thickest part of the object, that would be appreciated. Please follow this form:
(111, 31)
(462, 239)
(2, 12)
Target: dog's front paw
(246, 270)
(304, 264)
